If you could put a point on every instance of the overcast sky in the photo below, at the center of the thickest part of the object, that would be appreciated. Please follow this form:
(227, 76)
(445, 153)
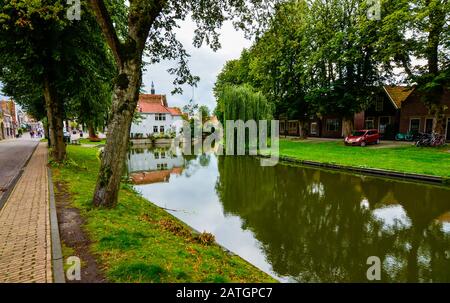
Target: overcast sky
(203, 63)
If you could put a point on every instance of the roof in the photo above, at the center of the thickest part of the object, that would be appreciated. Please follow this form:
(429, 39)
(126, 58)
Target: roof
(174, 111)
(157, 176)
(152, 98)
(398, 94)
(156, 104)
(152, 108)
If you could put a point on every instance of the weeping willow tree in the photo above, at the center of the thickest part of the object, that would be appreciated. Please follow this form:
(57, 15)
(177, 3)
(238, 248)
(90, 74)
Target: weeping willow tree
(242, 102)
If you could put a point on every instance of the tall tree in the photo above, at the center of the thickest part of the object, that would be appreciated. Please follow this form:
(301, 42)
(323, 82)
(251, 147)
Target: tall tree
(51, 62)
(315, 59)
(415, 35)
(156, 19)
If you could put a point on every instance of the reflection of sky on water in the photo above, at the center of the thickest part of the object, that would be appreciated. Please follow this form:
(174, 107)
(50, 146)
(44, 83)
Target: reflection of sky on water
(446, 227)
(201, 209)
(195, 200)
(392, 215)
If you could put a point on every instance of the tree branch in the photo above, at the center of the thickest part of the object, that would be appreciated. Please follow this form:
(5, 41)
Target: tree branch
(104, 20)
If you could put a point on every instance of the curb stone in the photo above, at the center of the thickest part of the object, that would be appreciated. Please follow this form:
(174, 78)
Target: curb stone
(57, 257)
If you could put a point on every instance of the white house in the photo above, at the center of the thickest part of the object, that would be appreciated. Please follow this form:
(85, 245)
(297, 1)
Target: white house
(147, 167)
(158, 159)
(156, 116)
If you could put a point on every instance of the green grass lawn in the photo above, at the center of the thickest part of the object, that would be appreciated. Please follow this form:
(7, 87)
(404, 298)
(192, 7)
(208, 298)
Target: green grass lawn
(407, 158)
(87, 141)
(139, 242)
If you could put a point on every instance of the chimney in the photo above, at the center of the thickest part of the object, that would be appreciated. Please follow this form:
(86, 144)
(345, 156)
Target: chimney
(152, 91)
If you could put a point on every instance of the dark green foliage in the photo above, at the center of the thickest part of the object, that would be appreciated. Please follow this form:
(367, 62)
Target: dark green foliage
(321, 57)
(37, 40)
(243, 103)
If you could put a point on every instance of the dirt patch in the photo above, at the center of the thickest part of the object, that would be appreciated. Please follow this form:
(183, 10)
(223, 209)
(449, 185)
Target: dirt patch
(73, 236)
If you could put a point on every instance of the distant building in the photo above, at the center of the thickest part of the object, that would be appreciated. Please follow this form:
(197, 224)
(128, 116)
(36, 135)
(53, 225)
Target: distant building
(8, 119)
(156, 117)
(154, 167)
(395, 109)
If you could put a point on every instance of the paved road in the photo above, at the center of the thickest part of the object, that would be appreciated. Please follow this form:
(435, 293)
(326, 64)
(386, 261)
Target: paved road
(13, 155)
(25, 250)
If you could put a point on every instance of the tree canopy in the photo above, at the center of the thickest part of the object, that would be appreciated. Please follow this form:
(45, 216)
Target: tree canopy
(320, 57)
(48, 61)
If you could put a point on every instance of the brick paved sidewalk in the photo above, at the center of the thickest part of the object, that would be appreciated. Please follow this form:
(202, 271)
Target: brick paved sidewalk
(25, 246)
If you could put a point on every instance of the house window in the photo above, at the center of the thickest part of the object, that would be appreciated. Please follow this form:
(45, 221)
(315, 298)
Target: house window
(379, 105)
(163, 155)
(314, 129)
(414, 125)
(156, 154)
(161, 129)
(333, 125)
(160, 117)
(162, 166)
(429, 126)
(155, 129)
(384, 122)
(369, 123)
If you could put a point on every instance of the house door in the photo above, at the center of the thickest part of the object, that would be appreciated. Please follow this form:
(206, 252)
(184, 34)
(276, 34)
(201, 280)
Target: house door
(448, 129)
(383, 124)
(429, 126)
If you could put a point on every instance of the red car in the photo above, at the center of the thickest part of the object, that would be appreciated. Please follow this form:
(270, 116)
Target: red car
(363, 137)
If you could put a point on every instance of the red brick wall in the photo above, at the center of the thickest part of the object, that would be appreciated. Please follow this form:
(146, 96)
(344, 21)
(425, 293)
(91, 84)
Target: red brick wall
(359, 120)
(413, 107)
(331, 134)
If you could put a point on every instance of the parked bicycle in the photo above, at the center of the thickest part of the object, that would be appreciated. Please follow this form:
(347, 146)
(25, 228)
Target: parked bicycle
(409, 136)
(431, 140)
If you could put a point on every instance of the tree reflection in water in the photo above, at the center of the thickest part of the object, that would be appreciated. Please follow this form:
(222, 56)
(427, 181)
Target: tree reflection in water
(321, 226)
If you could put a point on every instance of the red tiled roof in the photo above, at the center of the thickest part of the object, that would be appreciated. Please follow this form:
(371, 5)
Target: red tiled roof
(150, 177)
(149, 103)
(398, 94)
(156, 176)
(152, 108)
(152, 98)
(174, 111)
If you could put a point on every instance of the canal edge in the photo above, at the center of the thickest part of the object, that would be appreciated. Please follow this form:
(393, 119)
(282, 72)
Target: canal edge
(195, 232)
(369, 171)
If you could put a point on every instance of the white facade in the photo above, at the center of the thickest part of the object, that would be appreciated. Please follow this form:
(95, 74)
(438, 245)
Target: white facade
(163, 159)
(152, 123)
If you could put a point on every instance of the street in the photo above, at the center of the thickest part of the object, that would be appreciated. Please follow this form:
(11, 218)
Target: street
(13, 155)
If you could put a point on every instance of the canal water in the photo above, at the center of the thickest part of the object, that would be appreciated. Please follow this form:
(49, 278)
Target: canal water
(302, 224)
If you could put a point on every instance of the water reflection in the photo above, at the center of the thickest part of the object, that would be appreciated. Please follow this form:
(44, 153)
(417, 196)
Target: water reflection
(305, 224)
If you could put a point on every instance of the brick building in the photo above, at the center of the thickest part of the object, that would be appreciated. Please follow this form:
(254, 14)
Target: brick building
(395, 109)
(8, 120)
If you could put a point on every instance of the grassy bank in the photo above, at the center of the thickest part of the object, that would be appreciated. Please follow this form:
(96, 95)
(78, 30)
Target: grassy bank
(87, 141)
(405, 158)
(139, 242)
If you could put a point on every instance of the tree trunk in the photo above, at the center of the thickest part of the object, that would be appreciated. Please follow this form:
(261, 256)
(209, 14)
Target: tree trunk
(92, 133)
(347, 127)
(128, 57)
(124, 102)
(55, 121)
(303, 129)
(439, 113)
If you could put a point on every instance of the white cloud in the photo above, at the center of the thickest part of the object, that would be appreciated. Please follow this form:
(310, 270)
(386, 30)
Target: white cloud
(203, 62)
